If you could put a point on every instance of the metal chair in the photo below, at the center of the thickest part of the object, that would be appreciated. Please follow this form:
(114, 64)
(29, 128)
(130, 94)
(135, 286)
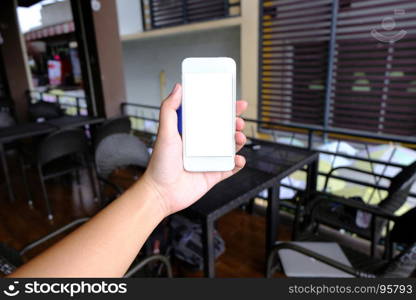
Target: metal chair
(44, 110)
(155, 258)
(61, 153)
(117, 151)
(339, 213)
(400, 265)
(112, 126)
(11, 259)
(6, 119)
(7, 113)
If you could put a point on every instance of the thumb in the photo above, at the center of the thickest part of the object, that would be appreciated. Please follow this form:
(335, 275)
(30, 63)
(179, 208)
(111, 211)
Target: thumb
(168, 117)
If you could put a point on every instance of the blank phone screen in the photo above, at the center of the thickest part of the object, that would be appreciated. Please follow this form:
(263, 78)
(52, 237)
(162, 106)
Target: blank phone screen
(208, 113)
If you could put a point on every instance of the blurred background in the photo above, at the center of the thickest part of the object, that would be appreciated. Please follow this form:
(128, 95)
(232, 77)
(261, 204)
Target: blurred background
(331, 86)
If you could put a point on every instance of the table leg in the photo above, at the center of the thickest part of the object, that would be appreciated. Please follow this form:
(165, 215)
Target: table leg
(208, 246)
(25, 181)
(6, 173)
(272, 217)
(312, 178)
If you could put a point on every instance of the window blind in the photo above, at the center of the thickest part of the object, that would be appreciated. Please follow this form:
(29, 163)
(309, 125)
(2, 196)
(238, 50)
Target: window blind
(165, 13)
(372, 86)
(294, 52)
(376, 67)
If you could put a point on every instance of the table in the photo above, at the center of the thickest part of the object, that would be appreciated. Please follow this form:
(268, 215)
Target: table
(74, 121)
(265, 168)
(33, 129)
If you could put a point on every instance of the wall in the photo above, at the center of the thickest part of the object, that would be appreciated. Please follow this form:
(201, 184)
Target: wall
(249, 58)
(110, 57)
(145, 59)
(129, 16)
(56, 13)
(14, 57)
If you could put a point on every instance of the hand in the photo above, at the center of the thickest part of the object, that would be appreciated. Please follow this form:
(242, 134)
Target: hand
(177, 188)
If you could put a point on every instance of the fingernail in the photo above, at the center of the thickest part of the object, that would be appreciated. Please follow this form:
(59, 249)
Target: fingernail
(175, 89)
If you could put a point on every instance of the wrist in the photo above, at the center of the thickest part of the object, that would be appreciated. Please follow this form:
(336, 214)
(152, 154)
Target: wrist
(152, 193)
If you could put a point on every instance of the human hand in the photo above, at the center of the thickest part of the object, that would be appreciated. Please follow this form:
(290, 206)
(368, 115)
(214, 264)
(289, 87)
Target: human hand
(177, 188)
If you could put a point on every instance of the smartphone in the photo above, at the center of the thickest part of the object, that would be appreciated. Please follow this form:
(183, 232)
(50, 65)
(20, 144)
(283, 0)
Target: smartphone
(208, 114)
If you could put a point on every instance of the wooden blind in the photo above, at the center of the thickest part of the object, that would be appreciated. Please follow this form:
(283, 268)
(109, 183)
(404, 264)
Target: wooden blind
(373, 82)
(375, 67)
(165, 13)
(294, 53)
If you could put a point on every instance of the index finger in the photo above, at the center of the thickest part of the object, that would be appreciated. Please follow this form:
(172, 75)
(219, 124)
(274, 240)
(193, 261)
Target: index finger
(241, 107)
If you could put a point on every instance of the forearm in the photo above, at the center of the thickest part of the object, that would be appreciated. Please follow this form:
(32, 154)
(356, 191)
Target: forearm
(107, 244)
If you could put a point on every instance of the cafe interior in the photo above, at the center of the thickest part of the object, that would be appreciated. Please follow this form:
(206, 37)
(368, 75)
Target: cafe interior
(328, 189)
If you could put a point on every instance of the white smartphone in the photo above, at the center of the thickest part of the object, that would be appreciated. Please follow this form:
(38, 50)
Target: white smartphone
(208, 114)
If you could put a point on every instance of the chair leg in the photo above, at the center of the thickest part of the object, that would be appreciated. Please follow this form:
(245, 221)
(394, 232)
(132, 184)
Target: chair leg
(78, 181)
(392, 248)
(270, 268)
(250, 206)
(374, 237)
(94, 181)
(373, 247)
(25, 182)
(45, 194)
(315, 228)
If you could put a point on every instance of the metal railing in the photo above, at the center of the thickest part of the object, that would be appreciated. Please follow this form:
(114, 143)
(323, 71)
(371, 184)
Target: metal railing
(73, 105)
(137, 111)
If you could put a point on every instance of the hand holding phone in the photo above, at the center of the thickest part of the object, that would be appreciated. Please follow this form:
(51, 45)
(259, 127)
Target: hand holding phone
(177, 188)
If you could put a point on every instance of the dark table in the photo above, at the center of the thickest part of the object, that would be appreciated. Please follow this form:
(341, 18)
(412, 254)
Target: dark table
(33, 129)
(265, 168)
(74, 121)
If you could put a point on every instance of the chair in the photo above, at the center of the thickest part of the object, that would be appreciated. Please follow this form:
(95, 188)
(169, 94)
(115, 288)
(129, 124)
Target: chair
(6, 119)
(141, 263)
(7, 113)
(393, 266)
(117, 151)
(11, 259)
(112, 126)
(340, 213)
(44, 110)
(61, 153)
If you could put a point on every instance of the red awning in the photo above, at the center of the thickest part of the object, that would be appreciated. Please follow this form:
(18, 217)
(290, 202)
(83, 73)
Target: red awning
(53, 30)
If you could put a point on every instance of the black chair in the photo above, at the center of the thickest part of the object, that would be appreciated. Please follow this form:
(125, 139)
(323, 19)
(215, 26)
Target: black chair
(11, 259)
(140, 263)
(112, 126)
(44, 110)
(117, 151)
(401, 265)
(61, 153)
(340, 213)
(8, 115)
(6, 119)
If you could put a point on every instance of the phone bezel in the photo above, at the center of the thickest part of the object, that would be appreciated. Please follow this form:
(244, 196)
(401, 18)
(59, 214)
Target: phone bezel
(209, 65)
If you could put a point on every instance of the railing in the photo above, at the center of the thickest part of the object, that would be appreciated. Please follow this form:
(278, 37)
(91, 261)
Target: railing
(165, 13)
(71, 104)
(149, 113)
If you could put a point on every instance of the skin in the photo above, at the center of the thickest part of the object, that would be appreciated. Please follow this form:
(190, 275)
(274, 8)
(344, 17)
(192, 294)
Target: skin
(108, 243)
